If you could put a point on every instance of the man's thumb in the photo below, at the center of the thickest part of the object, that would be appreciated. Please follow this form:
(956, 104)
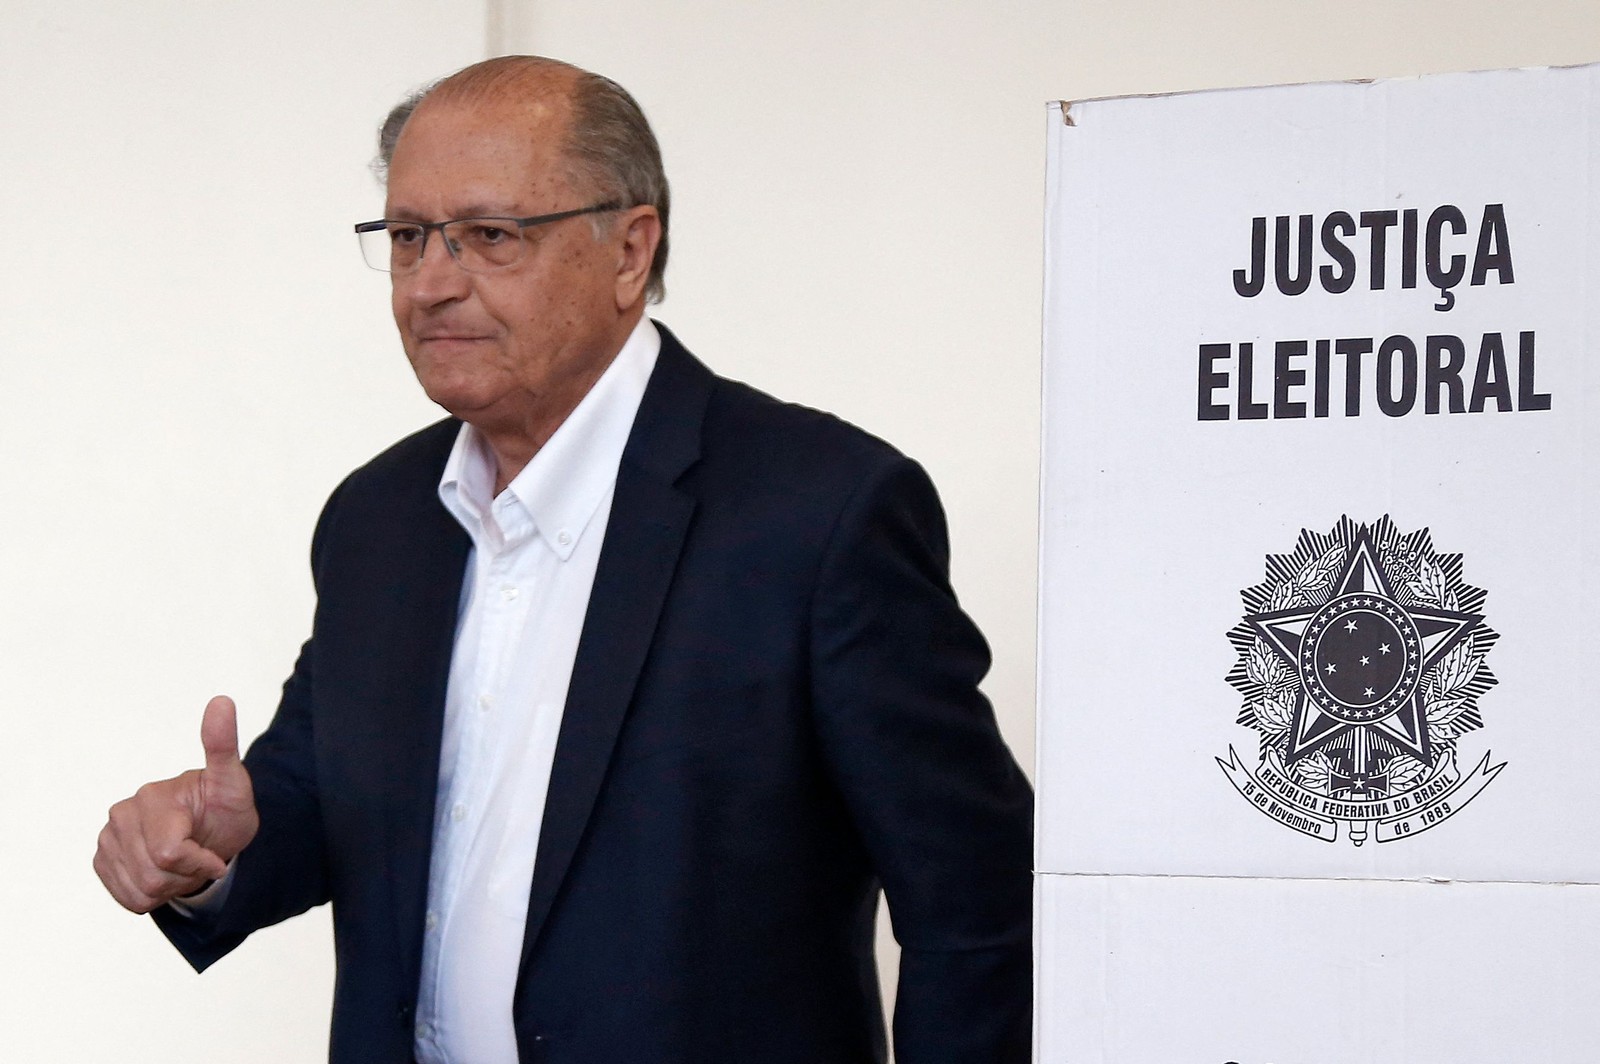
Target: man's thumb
(219, 734)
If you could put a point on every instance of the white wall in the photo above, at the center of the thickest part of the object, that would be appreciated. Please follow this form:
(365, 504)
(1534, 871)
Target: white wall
(191, 354)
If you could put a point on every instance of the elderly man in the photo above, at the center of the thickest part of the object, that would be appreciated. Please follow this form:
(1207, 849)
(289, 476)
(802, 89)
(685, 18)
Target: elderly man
(628, 686)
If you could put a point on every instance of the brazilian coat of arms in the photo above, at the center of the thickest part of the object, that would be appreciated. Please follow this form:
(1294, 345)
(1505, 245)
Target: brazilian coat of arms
(1361, 664)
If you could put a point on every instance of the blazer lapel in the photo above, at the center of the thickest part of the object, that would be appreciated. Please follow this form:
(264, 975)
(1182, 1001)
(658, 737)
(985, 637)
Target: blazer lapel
(644, 537)
(423, 626)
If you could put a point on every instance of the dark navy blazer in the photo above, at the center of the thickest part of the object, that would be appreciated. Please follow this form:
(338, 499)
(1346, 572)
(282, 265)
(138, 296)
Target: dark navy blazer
(773, 710)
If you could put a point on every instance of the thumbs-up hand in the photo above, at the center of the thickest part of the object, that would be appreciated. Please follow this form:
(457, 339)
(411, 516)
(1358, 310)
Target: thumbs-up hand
(175, 835)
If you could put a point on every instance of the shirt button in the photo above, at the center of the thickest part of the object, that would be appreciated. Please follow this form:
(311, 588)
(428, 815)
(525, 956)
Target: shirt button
(564, 538)
(484, 702)
(459, 813)
(421, 1029)
(508, 593)
(431, 922)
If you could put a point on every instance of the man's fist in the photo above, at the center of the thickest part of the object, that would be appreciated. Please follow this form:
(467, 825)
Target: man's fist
(173, 836)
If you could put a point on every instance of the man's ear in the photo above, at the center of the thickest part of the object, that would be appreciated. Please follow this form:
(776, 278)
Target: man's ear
(640, 233)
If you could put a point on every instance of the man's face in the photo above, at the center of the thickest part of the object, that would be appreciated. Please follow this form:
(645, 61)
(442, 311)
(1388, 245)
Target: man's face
(512, 349)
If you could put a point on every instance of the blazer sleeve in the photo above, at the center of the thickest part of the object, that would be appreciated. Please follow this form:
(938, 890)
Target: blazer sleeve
(284, 870)
(944, 809)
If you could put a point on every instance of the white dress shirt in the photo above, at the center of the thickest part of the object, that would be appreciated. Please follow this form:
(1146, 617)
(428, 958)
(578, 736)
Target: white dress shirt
(523, 600)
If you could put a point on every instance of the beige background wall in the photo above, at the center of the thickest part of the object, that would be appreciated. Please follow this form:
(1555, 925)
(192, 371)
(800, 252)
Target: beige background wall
(191, 354)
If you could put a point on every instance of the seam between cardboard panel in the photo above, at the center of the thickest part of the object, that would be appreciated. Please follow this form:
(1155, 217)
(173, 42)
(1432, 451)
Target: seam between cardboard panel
(1436, 880)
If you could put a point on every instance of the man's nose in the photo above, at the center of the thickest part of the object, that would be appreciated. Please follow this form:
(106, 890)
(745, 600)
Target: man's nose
(437, 278)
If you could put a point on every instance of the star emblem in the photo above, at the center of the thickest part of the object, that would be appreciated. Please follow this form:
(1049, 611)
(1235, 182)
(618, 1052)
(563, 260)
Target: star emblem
(1360, 622)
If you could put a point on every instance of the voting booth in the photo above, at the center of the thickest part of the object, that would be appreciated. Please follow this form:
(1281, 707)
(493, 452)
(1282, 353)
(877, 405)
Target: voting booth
(1319, 738)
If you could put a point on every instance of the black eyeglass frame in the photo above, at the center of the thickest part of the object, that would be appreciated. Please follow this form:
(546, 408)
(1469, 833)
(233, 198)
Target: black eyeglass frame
(521, 224)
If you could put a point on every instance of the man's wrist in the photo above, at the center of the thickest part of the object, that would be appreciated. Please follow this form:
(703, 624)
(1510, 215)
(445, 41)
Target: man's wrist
(208, 899)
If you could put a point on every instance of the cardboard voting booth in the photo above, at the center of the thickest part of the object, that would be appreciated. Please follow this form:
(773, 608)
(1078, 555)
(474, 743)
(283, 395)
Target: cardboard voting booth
(1319, 740)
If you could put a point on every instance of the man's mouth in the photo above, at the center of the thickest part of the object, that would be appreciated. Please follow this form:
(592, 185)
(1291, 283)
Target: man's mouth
(448, 341)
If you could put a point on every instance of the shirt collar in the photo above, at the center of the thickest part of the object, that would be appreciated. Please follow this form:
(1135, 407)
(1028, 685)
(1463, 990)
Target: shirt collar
(562, 487)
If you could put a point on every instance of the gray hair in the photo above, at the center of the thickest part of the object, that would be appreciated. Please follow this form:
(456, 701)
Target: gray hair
(610, 147)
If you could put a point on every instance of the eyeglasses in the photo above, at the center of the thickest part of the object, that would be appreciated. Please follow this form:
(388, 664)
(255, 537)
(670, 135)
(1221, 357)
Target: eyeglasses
(478, 245)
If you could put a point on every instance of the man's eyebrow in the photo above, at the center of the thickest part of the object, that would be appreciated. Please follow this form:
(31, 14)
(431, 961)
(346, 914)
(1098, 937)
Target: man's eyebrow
(476, 210)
